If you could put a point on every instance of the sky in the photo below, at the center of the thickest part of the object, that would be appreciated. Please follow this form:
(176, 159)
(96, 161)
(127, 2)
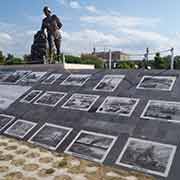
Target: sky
(126, 25)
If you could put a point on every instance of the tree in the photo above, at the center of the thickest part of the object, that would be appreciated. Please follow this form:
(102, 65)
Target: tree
(161, 63)
(2, 58)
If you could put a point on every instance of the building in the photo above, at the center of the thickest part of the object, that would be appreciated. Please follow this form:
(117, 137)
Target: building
(116, 55)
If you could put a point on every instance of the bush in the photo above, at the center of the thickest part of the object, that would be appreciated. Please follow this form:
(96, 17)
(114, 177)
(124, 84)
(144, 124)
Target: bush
(11, 60)
(91, 59)
(126, 65)
(161, 63)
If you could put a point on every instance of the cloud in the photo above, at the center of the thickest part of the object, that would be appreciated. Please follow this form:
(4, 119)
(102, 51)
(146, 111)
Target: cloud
(75, 5)
(117, 22)
(91, 8)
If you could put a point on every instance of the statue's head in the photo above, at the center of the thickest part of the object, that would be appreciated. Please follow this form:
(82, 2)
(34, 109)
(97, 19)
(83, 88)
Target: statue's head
(47, 11)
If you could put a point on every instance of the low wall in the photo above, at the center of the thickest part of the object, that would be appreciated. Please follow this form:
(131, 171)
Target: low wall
(78, 66)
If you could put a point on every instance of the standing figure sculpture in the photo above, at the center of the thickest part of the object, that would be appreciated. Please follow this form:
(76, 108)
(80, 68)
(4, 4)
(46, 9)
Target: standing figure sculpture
(52, 24)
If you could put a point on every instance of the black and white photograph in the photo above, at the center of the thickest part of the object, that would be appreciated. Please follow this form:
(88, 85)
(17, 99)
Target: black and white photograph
(31, 96)
(82, 102)
(50, 136)
(20, 128)
(51, 79)
(121, 106)
(5, 74)
(163, 83)
(92, 146)
(109, 83)
(162, 110)
(33, 77)
(50, 98)
(5, 120)
(76, 80)
(16, 76)
(147, 156)
(10, 93)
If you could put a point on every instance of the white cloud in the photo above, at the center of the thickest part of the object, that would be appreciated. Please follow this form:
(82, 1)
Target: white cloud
(117, 22)
(75, 5)
(91, 9)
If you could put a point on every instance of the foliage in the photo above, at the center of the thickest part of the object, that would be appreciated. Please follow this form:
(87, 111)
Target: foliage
(84, 59)
(161, 63)
(91, 59)
(126, 65)
(11, 60)
(2, 58)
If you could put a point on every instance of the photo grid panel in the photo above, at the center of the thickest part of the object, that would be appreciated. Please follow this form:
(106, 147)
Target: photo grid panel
(109, 83)
(163, 83)
(33, 77)
(50, 136)
(162, 110)
(5, 120)
(118, 106)
(51, 79)
(50, 98)
(147, 156)
(82, 102)
(16, 76)
(20, 128)
(92, 146)
(31, 96)
(76, 80)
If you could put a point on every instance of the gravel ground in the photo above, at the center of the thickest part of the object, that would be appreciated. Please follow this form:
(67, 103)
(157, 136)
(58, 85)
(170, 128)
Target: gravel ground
(23, 161)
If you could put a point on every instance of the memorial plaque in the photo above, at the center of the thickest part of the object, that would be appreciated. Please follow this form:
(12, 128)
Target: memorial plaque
(50, 136)
(50, 98)
(33, 77)
(31, 96)
(82, 102)
(109, 83)
(20, 128)
(118, 106)
(5, 120)
(163, 83)
(147, 156)
(162, 110)
(51, 79)
(10, 93)
(76, 80)
(16, 76)
(91, 146)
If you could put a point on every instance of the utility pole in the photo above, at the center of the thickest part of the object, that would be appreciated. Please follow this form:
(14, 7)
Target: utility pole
(172, 58)
(110, 59)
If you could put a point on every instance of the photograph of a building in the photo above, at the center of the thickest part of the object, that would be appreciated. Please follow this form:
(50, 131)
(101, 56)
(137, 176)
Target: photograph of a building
(5, 120)
(80, 102)
(51, 79)
(20, 128)
(162, 110)
(118, 106)
(76, 80)
(33, 77)
(147, 156)
(50, 98)
(31, 96)
(109, 83)
(50, 136)
(91, 146)
(163, 83)
(16, 76)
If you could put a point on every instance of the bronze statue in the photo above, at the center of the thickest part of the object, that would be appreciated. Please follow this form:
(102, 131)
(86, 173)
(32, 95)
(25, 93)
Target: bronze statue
(52, 24)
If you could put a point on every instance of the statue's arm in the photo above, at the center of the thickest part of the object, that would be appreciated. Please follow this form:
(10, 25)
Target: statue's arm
(59, 23)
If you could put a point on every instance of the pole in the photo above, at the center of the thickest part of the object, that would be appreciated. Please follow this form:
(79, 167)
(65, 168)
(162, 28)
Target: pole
(110, 59)
(64, 59)
(172, 58)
